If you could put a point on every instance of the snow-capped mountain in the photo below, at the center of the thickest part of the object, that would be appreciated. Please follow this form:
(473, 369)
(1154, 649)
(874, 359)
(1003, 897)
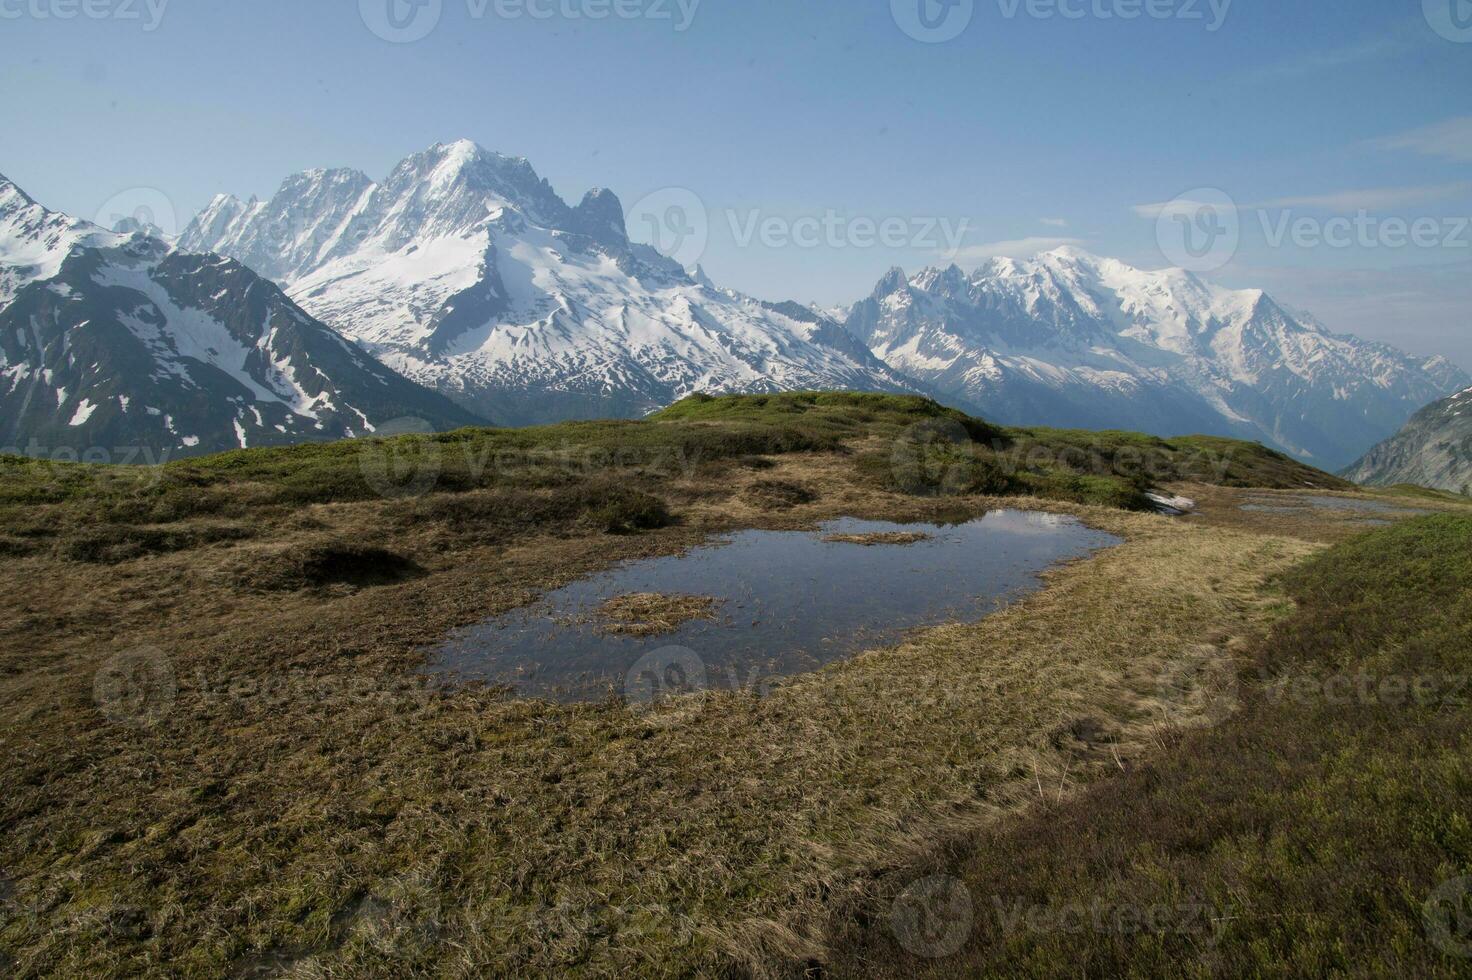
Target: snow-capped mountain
(128, 347)
(1433, 450)
(1071, 339)
(466, 272)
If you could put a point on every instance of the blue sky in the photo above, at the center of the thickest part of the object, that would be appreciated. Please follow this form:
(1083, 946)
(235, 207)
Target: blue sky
(1027, 128)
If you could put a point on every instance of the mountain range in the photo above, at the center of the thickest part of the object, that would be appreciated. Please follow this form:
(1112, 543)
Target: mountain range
(464, 271)
(1433, 450)
(462, 289)
(133, 348)
(1071, 339)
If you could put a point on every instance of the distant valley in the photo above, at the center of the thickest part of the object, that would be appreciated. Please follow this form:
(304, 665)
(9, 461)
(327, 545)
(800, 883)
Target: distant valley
(1433, 450)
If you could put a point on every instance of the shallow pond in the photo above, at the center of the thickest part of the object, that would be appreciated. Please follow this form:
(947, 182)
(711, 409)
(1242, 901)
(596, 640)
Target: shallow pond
(787, 602)
(1287, 505)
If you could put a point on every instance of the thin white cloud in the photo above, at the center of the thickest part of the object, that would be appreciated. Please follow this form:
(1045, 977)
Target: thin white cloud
(1451, 139)
(1180, 205)
(1340, 202)
(1055, 222)
(1389, 45)
(1373, 199)
(1019, 248)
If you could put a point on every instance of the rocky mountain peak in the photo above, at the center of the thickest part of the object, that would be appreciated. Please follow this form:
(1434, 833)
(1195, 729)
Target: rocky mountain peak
(600, 216)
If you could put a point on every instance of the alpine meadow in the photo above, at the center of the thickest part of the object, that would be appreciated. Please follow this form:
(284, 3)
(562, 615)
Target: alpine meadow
(922, 488)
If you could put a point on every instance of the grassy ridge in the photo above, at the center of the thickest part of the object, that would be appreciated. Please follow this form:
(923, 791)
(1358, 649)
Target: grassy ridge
(608, 473)
(1304, 836)
(1085, 466)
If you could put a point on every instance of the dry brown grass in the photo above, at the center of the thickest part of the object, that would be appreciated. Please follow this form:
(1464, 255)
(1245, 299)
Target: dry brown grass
(778, 494)
(1222, 507)
(879, 538)
(652, 613)
(302, 802)
(1310, 833)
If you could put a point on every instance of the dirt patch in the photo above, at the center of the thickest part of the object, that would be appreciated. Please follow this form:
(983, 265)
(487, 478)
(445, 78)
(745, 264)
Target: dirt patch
(652, 613)
(880, 538)
(627, 511)
(322, 565)
(779, 494)
(1285, 512)
(14, 547)
(756, 462)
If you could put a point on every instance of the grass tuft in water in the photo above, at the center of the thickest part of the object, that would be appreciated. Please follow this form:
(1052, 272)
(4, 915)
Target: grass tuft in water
(652, 613)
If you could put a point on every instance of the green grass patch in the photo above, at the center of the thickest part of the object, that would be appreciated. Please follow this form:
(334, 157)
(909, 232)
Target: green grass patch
(1312, 833)
(615, 473)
